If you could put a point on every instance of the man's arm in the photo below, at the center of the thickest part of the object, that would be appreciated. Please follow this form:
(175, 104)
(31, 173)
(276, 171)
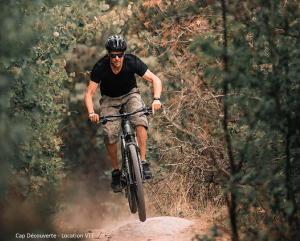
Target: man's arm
(157, 85)
(157, 88)
(88, 100)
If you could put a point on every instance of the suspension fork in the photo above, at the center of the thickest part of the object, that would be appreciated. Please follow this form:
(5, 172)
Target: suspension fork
(125, 161)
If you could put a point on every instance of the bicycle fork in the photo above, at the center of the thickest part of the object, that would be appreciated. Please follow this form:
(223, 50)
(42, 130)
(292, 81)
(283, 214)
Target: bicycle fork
(126, 173)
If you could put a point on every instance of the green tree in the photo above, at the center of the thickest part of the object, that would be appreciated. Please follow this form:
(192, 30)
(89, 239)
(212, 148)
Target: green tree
(37, 107)
(262, 88)
(17, 125)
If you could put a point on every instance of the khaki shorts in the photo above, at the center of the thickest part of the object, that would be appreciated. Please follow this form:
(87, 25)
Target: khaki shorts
(111, 106)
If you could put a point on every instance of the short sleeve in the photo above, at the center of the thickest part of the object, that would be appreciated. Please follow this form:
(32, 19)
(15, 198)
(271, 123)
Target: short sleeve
(140, 67)
(95, 74)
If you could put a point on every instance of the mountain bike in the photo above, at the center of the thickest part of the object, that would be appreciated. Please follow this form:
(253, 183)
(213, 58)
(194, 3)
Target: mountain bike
(132, 177)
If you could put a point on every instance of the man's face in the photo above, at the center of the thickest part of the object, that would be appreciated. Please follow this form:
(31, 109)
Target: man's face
(116, 58)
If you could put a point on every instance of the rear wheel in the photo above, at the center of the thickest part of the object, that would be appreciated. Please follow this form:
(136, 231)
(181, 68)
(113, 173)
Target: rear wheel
(139, 192)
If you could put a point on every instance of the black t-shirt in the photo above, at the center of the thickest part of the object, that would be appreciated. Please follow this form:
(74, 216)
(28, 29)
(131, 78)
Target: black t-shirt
(115, 85)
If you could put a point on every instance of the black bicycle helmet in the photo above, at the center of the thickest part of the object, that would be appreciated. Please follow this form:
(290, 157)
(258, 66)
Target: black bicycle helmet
(116, 43)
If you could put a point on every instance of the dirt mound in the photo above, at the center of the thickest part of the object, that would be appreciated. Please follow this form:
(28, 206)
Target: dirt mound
(156, 228)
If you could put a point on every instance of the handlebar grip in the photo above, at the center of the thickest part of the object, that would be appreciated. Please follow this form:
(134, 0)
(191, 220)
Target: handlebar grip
(148, 111)
(103, 121)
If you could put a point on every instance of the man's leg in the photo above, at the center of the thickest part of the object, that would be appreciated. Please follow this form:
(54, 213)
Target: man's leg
(141, 133)
(112, 150)
(116, 173)
(108, 106)
(111, 131)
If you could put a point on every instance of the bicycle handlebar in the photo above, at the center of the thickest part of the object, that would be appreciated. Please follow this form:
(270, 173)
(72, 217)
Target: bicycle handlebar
(146, 110)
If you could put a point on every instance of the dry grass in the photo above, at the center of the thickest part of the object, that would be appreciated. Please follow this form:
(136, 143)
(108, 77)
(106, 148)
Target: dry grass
(192, 161)
(191, 164)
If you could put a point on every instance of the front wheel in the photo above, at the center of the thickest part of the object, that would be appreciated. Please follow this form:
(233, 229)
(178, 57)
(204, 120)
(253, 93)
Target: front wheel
(131, 198)
(139, 192)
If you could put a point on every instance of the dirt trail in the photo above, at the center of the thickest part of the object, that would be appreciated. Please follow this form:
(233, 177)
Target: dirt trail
(153, 229)
(92, 208)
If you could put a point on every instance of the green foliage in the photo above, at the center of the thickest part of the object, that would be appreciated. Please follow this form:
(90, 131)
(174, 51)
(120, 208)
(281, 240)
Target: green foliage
(35, 94)
(27, 172)
(263, 97)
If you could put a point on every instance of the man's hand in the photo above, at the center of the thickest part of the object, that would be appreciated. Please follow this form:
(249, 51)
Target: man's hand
(95, 118)
(156, 105)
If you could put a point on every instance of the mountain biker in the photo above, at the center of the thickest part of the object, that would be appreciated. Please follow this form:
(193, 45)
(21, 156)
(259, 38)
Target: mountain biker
(115, 73)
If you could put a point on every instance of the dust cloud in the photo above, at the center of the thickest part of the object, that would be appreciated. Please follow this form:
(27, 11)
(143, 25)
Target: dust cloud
(88, 203)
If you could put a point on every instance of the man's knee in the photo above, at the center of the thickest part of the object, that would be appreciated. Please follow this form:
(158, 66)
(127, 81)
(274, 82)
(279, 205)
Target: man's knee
(111, 131)
(140, 121)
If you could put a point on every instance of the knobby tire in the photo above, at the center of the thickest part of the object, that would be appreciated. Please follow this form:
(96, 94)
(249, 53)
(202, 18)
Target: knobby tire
(130, 193)
(131, 198)
(139, 192)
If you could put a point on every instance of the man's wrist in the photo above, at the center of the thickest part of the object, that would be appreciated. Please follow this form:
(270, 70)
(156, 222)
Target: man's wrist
(91, 113)
(156, 98)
